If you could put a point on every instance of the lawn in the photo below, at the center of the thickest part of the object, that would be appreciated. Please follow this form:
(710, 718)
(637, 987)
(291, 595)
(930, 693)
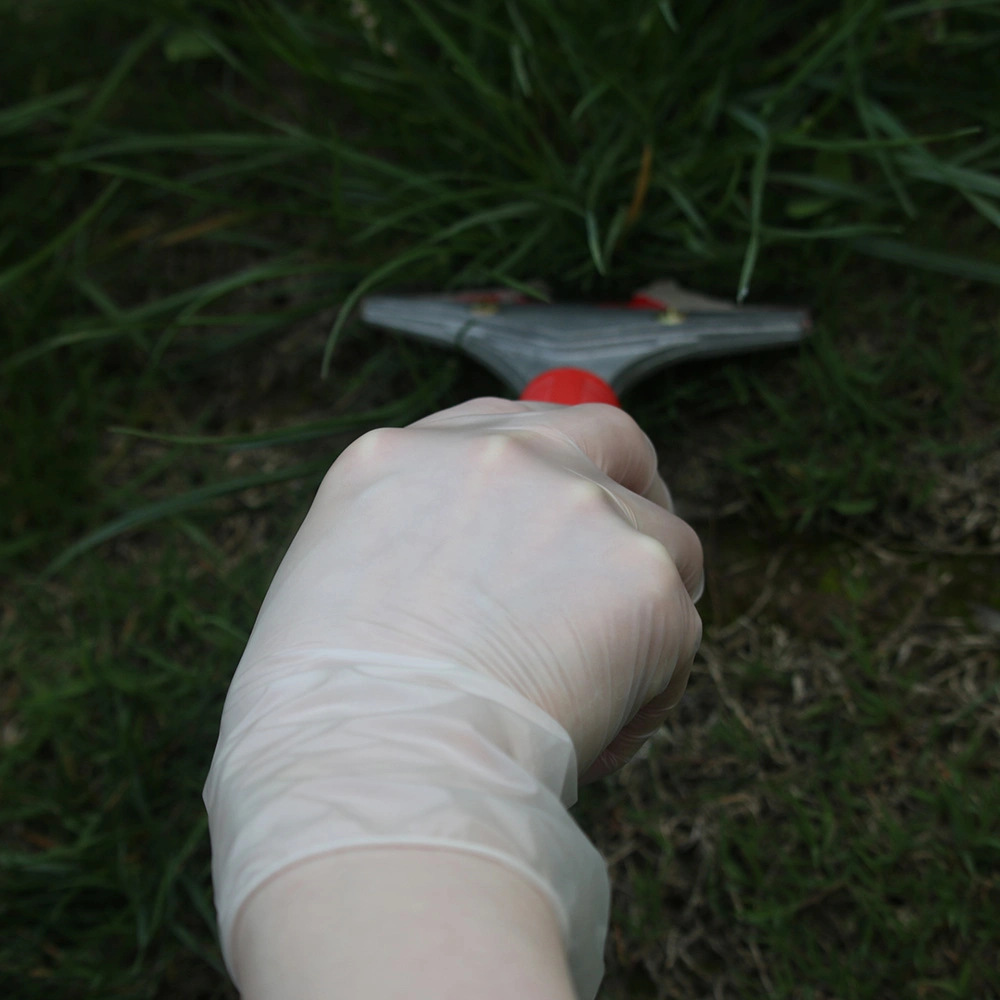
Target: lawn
(193, 199)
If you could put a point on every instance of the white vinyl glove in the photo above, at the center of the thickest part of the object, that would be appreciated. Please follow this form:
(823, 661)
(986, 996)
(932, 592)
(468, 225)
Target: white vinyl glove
(477, 608)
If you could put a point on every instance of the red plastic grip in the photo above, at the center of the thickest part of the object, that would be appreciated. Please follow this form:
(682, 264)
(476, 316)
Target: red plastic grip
(569, 386)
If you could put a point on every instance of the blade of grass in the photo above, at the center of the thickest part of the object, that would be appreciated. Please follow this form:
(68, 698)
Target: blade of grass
(522, 250)
(519, 24)
(921, 163)
(186, 303)
(187, 190)
(843, 232)
(18, 271)
(171, 870)
(757, 181)
(971, 269)
(668, 15)
(864, 145)
(224, 52)
(178, 505)
(514, 210)
(828, 186)
(375, 278)
(111, 84)
(416, 208)
(199, 947)
(609, 160)
(15, 361)
(985, 208)
(685, 204)
(614, 234)
(594, 242)
(108, 307)
(758, 178)
(978, 152)
(932, 7)
(809, 67)
(519, 286)
(925, 167)
(466, 66)
(863, 106)
(300, 433)
(205, 143)
(18, 117)
(591, 97)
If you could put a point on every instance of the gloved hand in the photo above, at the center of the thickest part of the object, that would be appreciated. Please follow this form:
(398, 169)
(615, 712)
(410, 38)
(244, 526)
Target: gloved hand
(477, 608)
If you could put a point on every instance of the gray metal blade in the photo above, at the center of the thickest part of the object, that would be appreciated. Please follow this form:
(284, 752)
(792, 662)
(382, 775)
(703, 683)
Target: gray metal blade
(519, 342)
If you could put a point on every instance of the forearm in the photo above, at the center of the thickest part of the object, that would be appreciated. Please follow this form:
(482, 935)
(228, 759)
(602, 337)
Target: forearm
(389, 922)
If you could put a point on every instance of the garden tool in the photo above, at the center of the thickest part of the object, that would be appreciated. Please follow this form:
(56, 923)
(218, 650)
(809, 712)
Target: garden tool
(585, 353)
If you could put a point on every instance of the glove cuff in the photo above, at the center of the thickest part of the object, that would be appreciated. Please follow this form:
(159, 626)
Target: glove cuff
(322, 750)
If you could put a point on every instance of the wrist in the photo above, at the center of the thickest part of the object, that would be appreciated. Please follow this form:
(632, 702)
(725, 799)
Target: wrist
(383, 923)
(336, 753)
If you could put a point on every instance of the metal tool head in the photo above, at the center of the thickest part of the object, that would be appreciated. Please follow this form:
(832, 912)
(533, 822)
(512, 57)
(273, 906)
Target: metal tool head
(518, 340)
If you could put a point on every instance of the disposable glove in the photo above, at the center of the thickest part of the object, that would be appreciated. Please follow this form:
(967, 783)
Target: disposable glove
(477, 609)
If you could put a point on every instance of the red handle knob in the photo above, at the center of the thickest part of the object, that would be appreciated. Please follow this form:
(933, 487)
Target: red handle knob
(569, 386)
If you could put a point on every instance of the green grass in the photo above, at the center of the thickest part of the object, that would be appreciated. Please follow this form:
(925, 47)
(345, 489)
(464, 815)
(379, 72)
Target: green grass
(192, 199)
(848, 830)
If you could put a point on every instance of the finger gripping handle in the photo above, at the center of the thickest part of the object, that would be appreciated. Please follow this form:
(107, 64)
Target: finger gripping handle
(569, 386)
